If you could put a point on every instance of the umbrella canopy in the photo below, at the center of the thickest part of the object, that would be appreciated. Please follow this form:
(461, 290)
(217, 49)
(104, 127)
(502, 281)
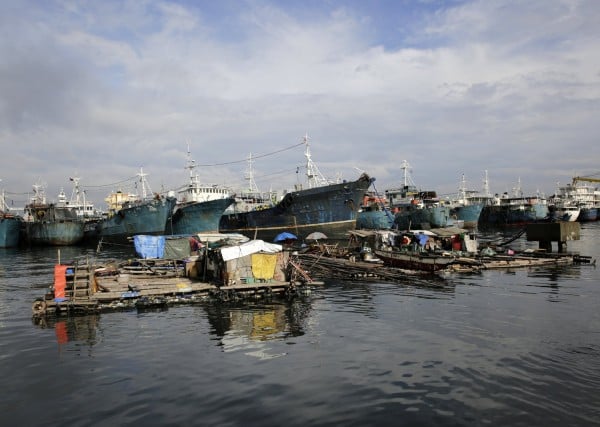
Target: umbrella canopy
(316, 236)
(284, 236)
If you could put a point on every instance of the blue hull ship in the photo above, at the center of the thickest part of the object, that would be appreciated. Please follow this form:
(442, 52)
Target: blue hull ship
(144, 217)
(54, 233)
(199, 207)
(588, 214)
(413, 216)
(331, 209)
(49, 224)
(10, 230)
(503, 215)
(375, 219)
(129, 214)
(198, 217)
(469, 214)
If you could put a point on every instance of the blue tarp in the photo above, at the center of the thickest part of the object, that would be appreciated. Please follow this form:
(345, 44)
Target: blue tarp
(149, 246)
(284, 236)
(422, 239)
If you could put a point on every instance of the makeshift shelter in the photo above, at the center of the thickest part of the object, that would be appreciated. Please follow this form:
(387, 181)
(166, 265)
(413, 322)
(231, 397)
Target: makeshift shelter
(252, 261)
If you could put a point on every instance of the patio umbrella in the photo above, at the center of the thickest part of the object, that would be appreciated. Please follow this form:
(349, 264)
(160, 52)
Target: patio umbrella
(316, 236)
(281, 237)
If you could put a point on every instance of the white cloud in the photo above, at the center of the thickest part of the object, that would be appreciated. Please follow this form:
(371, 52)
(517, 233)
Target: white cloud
(513, 88)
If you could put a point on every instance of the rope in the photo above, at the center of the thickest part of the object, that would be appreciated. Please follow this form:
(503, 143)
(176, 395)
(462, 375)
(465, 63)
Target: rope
(260, 156)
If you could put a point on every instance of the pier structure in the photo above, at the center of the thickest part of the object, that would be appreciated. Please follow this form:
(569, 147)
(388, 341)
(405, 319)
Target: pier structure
(547, 232)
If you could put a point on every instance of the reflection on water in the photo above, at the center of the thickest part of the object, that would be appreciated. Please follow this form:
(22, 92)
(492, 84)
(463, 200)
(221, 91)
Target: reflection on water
(516, 348)
(80, 329)
(249, 328)
(243, 327)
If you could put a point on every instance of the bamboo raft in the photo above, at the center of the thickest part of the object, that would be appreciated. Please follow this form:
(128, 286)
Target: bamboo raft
(320, 266)
(323, 266)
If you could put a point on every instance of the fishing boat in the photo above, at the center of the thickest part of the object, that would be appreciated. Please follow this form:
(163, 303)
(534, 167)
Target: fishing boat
(83, 208)
(199, 207)
(565, 210)
(424, 250)
(327, 207)
(375, 213)
(250, 198)
(512, 210)
(51, 224)
(78, 201)
(129, 214)
(10, 225)
(416, 209)
(468, 204)
(404, 207)
(583, 196)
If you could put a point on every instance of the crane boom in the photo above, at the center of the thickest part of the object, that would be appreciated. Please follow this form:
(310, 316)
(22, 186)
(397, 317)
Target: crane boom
(576, 179)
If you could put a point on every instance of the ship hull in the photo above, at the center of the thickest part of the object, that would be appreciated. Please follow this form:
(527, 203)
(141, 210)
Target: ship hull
(498, 215)
(375, 219)
(51, 225)
(414, 217)
(588, 214)
(56, 233)
(10, 229)
(198, 217)
(468, 213)
(331, 209)
(145, 218)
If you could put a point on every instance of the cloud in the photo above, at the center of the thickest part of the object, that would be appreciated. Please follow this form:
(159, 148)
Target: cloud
(107, 87)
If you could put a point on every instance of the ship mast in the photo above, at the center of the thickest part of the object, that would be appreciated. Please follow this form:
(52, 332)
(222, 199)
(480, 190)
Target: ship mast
(517, 190)
(407, 178)
(77, 195)
(486, 185)
(313, 174)
(249, 176)
(191, 165)
(145, 186)
(462, 189)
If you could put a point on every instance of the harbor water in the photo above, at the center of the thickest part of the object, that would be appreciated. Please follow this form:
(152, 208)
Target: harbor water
(499, 348)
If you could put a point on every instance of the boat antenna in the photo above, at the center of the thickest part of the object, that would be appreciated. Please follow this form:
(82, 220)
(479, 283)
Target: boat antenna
(249, 175)
(191, 163)
(313, 174)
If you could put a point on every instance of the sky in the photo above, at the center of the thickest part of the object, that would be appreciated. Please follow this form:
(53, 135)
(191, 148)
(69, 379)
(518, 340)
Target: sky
(99, 90)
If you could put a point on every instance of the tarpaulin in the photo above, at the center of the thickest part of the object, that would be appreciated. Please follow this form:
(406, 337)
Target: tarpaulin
(248, 248)
(263, 266)
(60, 281)
(149, 246)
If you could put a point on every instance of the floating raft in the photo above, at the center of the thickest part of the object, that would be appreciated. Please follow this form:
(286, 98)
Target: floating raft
(86, 289)
(320, 265)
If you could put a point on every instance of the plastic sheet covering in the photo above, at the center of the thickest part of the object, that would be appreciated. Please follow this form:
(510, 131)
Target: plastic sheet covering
(177, 248)
(149, 246)
(249, 248)
(263, 266)
(60, 281)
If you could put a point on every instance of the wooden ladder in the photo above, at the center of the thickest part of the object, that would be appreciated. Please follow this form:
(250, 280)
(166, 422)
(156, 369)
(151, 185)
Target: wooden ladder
(82, 281)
